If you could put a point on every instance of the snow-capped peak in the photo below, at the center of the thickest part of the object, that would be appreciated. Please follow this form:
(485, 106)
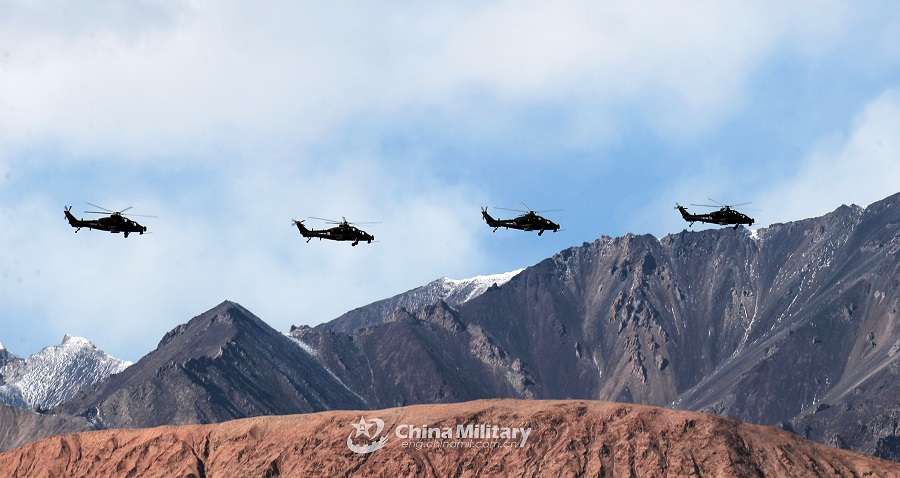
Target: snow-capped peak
(57, 373)
(75, 341)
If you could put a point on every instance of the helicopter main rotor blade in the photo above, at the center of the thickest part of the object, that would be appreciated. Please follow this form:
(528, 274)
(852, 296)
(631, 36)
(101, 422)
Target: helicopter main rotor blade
(507, 209)
(718, 204)
(127, 208)
(332, 221)
(728, 205)
(101, 207)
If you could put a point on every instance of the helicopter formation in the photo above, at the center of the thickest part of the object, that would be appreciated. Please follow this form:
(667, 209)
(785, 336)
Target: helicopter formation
(117, 222)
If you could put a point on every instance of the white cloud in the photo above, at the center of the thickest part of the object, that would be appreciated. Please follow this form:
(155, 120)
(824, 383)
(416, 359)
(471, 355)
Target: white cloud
(228, 119)
(140, 82)
(859, 167)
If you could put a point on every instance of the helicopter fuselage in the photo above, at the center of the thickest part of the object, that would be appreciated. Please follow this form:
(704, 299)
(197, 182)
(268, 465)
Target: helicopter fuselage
(529, 221)
(723, 217)
(114, 223)
(341, 232)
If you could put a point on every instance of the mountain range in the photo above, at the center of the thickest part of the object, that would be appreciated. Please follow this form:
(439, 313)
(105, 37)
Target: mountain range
(792, 325)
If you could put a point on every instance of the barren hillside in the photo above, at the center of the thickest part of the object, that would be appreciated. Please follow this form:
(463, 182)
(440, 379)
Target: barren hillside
(564, 438)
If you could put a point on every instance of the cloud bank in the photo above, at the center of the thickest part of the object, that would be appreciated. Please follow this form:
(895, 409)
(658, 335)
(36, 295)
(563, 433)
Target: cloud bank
(227, 120)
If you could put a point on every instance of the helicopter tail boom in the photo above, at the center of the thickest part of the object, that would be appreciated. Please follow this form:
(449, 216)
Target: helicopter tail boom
(73, 221)
(490, 220)
(684, 212)
(303, 230)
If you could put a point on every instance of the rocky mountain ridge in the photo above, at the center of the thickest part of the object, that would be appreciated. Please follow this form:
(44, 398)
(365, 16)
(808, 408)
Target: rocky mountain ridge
(454, 292)
(223, 364)
(54, 374)
(6, 358)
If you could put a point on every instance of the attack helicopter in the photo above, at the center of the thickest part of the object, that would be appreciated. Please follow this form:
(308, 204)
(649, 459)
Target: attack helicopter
(115, 223)
(343, 231)
(528, 221)
(725, 216)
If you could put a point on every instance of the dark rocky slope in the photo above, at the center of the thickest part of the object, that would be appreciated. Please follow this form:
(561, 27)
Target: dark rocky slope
(223, 364)
(18, 426)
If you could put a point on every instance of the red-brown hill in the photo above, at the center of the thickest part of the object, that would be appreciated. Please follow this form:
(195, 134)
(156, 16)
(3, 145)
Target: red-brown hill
(567, 438)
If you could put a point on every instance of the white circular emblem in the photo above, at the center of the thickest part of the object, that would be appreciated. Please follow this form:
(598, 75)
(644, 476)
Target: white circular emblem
(372, 441)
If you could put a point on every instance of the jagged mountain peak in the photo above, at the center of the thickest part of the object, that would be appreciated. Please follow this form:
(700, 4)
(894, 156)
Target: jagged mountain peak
(73, 341)
(56, 373)
(230, 310)
(229, 314)
(224, 363)
(213, 328)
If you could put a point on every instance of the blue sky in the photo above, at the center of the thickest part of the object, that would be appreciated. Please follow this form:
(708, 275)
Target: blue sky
(228, 119)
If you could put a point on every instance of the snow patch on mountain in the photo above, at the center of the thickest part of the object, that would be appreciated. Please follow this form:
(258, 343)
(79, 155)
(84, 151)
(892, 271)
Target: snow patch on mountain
(303, 345)
(456, 292)
(56, 373)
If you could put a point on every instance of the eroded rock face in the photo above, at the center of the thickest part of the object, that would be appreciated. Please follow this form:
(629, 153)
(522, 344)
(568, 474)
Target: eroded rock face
(566, 438)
